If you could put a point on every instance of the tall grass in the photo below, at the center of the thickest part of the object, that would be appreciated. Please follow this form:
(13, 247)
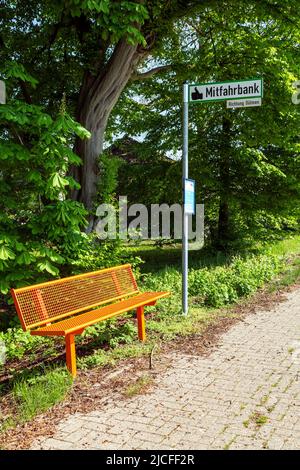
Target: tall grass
(38, 393)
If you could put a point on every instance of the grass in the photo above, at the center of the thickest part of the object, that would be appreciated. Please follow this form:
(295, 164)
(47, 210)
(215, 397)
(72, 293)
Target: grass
(290, 275)
(257, 418)
(39, 393)
(36, 394)
(161, 328)
(284, 247)
(101, 358)
(156, 258)
(138, 387)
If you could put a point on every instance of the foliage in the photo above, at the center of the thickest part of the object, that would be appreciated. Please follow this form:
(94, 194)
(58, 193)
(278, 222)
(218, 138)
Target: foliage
(108, 166)
(95, 255)
(139, 171)
(213, 282)
(114, 19)
(77, 47)
(35, 392)
(40, 228)
(18, 343)
(225, 285)
(216, 286)
(61, 42)
(68, 45)
(102, 358)
(245, 161)
(111, 333)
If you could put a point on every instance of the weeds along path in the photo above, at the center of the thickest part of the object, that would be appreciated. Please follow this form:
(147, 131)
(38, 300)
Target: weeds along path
(245, 395)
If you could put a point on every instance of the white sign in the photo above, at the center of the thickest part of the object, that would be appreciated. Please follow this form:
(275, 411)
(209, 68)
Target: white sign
(2, 92)
(242, 89)
(189, 196)
(243, 103)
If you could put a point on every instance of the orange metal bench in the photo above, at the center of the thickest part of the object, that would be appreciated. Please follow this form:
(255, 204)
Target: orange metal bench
(65, 307)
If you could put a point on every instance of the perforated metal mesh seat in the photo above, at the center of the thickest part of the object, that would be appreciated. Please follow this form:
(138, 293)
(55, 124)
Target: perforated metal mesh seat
(71, 325)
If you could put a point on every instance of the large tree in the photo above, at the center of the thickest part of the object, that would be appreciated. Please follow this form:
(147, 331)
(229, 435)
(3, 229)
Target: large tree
(245, 161)
(90, 49)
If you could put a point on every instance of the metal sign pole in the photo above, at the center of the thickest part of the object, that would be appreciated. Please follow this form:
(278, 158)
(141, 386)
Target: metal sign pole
(2, 92)
(185, 174)
(250, 91)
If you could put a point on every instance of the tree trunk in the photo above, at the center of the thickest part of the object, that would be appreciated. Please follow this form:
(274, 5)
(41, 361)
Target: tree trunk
(223, 234)
(98, 96)
(223, 225)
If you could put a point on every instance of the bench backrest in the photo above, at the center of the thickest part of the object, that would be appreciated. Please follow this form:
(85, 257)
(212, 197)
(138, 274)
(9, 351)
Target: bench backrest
(43, 303)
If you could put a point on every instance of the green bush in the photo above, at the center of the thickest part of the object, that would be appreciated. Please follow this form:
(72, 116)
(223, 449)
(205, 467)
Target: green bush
(216, 286)
(225, 284)
(40, 228)
(110, 332)
(95, 254)
(18, 342)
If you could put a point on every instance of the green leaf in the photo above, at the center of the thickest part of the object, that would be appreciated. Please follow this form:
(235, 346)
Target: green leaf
(25, 258)
(6, 253)
(4, 286)
(16, 70)
(34, 176)
(104, 6)
(57, 181)
(47, 266)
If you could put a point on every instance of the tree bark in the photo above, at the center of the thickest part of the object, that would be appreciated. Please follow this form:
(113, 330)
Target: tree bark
(98, 96)
(223, 225)
(223, 233)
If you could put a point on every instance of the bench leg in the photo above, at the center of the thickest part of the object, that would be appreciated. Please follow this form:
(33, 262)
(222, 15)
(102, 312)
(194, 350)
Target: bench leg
(141, 323)
(71, 354)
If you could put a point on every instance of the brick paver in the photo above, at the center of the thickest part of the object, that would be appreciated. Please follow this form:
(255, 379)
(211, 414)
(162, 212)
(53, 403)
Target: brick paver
(245, 395)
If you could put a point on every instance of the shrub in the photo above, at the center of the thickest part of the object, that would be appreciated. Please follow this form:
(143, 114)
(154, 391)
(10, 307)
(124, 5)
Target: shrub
(225, 284)
(219, 285)
(18, 342)
(40, 228)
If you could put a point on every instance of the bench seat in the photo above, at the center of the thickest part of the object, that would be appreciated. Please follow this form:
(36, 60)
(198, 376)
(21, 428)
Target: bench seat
(73, 324)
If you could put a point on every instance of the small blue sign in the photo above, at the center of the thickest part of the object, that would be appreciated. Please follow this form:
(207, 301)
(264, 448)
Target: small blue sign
(189, 196)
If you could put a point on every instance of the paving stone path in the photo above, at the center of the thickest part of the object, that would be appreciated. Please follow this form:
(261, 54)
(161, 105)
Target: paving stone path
(245, 395)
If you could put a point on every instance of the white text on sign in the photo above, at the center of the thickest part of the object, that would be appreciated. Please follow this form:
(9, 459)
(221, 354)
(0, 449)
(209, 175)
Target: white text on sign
(243, 103)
